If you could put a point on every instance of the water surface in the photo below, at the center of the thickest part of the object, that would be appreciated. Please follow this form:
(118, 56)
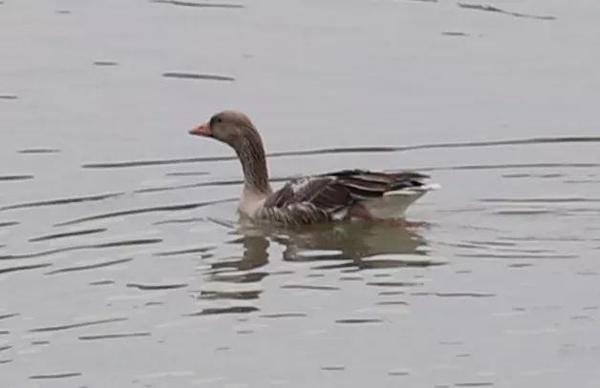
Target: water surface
(122, 261)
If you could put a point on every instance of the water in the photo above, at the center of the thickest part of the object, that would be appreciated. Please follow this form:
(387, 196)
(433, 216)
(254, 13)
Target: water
(122, 262)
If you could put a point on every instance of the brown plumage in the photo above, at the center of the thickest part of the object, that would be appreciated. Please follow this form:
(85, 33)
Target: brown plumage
(333, 196)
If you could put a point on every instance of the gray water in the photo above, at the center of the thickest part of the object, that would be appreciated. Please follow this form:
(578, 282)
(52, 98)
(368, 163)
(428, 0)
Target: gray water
(122, 262)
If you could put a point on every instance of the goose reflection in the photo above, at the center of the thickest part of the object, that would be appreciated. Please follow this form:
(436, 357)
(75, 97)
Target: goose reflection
(360, 245)
(346, 247)
(355, 245)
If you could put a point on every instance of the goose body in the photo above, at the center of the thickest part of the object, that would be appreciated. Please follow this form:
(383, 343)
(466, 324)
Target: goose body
(340, 195)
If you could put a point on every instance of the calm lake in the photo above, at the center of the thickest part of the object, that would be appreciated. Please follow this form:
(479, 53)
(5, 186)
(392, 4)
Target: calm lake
(122, 259)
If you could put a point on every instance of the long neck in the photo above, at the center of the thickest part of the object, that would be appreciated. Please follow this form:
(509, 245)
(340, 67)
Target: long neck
(252, 156)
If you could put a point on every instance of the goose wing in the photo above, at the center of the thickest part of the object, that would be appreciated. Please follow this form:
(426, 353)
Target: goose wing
(329, 196)
(363, 184)
(307, 200)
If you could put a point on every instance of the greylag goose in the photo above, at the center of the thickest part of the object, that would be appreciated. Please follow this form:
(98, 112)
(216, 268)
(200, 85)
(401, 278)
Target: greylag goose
(340, 195)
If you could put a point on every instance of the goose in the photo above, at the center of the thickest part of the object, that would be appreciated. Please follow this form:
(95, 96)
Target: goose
(335, 196)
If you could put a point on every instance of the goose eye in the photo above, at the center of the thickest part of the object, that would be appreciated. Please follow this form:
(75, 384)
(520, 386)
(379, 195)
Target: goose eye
(215, 120)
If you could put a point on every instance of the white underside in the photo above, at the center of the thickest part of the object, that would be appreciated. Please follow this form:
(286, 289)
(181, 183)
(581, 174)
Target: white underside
(394, 203)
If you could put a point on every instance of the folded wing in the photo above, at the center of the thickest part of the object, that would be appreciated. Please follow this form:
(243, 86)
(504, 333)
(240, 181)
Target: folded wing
(331, 196)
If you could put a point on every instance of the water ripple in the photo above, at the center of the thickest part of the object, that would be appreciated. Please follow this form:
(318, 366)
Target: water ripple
(489, 8)
(23, 268)
(67, 234)
(167, 208)
(187, 173)
(540, 200)
(6, 178)
(506, 166)
(353, 150)
(395, 284)
(113, 336)
(111, 244)
(39, 151)
(102, 283)
(464, 294)
(181, 221)
(154, 287)
(251, 277)
(76, 325)
(55, 376)
(358, 320)
(61, 201)
(213, 77)
(186, 251)
(333, 368)
(197, 5)
(515, 256)
(6, 316)
(105, 63)
(233, 182)
(90, 266)
(240, 295)
(309, 287)
(283, 315)
(224, 310)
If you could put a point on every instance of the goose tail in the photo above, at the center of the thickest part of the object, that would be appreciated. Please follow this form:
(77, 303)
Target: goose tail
(393, 204)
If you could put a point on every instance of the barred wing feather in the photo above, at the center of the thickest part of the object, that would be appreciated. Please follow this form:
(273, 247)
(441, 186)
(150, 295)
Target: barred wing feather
(329, 196)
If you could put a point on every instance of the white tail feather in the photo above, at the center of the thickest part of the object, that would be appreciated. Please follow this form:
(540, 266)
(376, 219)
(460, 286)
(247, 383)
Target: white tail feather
(394, 203)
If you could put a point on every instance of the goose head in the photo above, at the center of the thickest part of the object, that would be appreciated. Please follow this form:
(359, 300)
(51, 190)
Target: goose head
(230, 127)
(236, 130)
